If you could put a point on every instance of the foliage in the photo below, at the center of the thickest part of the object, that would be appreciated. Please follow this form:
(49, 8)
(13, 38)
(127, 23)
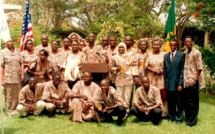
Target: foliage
(208, 54)
(140, 18)
(111, 29)
(209, 81)
(206, 14)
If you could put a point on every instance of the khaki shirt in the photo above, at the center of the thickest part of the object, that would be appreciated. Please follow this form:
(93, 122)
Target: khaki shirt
(123, 76)
(112, 98)
(53, 93)
(27, 96)
(152, 98)
(28, 58)
(54, 59)
(40, 47)
(132, 50)
(11, 62)
(91, 56)
(193, 63)
(155, 61)
(141, 60)
(93, 92)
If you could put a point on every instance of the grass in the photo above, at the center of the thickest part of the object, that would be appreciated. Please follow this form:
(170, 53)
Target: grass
(61, 125)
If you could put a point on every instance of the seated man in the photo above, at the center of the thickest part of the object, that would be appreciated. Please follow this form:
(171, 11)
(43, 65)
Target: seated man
(56, 95)
(147, 102)
(85, 95)
(30, 98)
(111, 104)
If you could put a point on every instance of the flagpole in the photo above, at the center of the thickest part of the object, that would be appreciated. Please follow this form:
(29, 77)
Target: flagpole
(2, 115)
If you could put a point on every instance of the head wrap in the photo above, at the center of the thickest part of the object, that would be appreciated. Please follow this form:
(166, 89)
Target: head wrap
(124, 45)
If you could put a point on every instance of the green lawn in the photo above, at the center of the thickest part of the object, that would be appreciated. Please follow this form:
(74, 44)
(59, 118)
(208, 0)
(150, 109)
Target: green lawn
(61, 125)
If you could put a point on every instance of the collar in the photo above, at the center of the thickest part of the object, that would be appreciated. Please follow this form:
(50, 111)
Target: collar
(174, 52)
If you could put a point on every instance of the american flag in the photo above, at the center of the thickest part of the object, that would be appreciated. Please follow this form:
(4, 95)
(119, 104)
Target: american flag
(26, 27)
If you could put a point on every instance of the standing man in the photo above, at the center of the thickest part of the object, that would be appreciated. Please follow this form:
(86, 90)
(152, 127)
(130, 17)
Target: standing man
(111, 51)
(44, 45)
(192, 70)
(129, 44)
(66, 45)
(147, 102)
(105, 42)
(92, 51)
(173, 77)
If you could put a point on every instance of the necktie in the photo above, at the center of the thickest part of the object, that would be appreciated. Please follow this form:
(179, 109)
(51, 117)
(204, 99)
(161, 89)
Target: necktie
(172, 57)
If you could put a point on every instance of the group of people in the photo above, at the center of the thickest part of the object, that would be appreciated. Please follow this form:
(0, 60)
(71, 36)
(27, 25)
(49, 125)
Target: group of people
(148, 84)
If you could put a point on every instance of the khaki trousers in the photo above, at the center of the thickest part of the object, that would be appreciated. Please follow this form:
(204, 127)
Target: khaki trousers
(38, 108)
(125, 94)
(11, 93)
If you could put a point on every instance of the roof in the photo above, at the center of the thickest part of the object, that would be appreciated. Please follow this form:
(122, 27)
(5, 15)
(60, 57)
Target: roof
(11, 8)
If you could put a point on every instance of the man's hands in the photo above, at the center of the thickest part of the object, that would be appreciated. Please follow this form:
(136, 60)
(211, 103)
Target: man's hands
(84, 97)
(105, 109)
(179, 88)
(61, 103)
(142, 108)
(30, 108)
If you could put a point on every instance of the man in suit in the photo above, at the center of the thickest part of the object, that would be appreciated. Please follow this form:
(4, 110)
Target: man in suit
(173, 77)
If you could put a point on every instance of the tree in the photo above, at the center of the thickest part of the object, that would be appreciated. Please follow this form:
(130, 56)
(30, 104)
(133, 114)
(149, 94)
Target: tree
(205, 14)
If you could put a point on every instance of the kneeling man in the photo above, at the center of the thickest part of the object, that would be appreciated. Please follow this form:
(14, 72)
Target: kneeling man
(30, 98)
(56, 95)
(147, 102)
(84, 98)
(111, 104)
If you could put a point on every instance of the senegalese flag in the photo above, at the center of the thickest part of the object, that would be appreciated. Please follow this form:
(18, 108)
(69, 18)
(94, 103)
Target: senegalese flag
(170, 28)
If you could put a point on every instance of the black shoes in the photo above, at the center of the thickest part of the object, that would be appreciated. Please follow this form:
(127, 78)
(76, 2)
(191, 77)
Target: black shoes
(119, 122)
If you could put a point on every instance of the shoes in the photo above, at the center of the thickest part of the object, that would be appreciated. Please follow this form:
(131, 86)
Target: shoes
(119, 121)
(12, 113)
(50, 114)
(109, 120)
(191, 125)
(126, 116)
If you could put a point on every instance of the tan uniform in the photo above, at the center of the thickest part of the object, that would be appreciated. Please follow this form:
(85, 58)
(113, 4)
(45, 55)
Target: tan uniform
(190, 93)
(91, 56)
(36, 67)
(111, 99)
(28, 58)
(141, 60)
(77, 105)
(12, 72)
(193, 62)
(110, 53)
(52, 93)
(156, 61)
(28, 97)
(132, 51)
(54, 59)
(40, 47)
(124, 77)
(152, 98)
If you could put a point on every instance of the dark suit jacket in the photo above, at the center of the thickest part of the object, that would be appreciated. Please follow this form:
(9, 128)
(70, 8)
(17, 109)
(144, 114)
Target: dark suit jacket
(173, 71)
